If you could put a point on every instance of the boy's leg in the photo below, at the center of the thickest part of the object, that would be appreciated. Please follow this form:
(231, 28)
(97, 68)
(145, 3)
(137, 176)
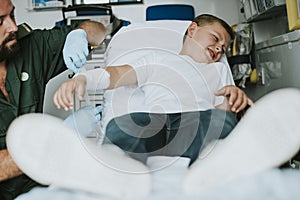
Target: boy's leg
(191, 131)
(267, 136)
(51, 153)
(138, 134)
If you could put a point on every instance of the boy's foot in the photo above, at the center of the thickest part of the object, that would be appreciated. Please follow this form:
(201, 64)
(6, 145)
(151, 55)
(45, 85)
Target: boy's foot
(266, 137)
(51, 153)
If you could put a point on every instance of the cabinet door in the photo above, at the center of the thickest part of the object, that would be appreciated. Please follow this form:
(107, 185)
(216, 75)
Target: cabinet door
(278, 67)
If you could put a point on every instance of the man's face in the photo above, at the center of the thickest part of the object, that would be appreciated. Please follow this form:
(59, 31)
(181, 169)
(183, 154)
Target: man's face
(211, 40)
(8, 29)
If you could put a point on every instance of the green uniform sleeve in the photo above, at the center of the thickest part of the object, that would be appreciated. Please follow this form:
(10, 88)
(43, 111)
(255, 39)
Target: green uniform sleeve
(46, 48)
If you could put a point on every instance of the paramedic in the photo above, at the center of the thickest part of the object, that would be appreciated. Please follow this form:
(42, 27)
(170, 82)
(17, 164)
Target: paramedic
(194, 79)
(28, 60)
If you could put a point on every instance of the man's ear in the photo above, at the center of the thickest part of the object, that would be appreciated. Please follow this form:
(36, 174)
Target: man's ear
(192, 28)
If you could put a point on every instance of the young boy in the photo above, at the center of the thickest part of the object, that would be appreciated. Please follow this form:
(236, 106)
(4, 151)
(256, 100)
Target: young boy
(179, 94)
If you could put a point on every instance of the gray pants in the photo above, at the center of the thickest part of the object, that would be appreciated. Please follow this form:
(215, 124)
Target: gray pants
(178, 134)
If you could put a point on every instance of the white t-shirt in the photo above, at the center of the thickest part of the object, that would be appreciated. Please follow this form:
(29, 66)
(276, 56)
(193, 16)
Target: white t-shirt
(167, 83)
(174, 84)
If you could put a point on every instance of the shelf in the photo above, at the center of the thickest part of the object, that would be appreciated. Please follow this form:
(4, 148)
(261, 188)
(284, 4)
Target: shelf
(275, 11)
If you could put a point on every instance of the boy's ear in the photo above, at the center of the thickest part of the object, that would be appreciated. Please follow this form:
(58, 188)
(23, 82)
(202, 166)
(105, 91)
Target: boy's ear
(192, 28)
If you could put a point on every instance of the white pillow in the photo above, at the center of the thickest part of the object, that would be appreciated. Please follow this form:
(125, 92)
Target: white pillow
(162, 34)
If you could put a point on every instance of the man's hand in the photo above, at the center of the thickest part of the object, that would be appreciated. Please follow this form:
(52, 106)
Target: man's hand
(84, 120)
(236, 98)
(75, 49)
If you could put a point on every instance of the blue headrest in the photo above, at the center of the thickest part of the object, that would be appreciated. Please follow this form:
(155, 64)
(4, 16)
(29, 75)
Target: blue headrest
(170, 11)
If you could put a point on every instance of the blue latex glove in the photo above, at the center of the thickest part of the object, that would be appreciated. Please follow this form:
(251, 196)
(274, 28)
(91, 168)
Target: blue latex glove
(75, 49)
(84, 120)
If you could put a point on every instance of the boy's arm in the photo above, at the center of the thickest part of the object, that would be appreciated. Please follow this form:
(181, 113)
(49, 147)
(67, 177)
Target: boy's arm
(97, 79)
(120, 76)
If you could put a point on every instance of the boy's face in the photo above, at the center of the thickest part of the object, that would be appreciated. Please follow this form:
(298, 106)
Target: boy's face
(212, 40)
(8, 29)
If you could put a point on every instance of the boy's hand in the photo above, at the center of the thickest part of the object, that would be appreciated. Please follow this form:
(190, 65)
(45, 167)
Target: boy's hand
(63, 97)
(237, 99)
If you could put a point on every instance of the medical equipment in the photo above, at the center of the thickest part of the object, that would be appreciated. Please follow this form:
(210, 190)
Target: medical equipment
(98, 79)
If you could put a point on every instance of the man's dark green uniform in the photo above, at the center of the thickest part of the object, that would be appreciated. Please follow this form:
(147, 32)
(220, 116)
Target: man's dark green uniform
(39, 59)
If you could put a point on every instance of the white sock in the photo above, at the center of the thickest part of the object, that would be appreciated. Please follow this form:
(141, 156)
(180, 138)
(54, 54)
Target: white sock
(266, 137)
(167, 173)
(51, 153)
